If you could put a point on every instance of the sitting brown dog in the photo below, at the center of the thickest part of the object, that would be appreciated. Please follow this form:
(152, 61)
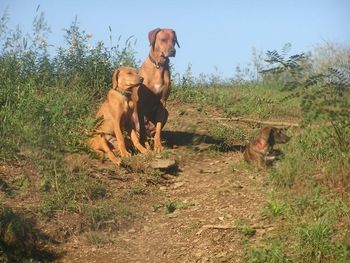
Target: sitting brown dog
(257, 150)
(151, 113)
(116, 114)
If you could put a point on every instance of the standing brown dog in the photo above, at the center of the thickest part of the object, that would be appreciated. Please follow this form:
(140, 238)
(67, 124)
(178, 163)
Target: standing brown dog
(116, 113)
(150, 114)
(257, 150)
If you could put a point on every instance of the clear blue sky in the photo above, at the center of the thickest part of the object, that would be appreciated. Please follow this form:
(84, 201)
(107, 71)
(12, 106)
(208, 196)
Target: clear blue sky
(211, 33)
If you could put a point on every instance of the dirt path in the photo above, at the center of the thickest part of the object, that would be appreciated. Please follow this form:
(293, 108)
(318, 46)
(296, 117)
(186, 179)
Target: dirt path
(211, 188)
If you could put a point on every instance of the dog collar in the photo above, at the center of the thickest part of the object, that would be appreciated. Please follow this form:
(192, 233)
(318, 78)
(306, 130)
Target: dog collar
(125, 93)
(260, 145)
(154, 62)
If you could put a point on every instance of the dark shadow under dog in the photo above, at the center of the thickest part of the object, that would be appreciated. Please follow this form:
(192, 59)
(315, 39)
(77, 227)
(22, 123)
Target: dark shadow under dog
(183, 138)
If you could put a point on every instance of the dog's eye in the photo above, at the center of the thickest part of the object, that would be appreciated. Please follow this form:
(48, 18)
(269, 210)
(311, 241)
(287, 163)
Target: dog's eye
(129, 73)
(163, 39)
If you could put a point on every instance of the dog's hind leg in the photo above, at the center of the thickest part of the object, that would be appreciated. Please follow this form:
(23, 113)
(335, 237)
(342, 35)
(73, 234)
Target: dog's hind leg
(105, 148)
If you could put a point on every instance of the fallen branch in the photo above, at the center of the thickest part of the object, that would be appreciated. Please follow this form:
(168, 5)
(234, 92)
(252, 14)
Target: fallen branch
(205, 227)
(271, 123)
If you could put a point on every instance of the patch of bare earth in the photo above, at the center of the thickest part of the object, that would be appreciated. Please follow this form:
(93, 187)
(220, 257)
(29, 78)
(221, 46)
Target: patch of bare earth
(214, 199)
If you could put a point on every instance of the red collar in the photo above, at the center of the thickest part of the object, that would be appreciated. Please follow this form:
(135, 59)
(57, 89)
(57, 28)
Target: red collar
(260, 145)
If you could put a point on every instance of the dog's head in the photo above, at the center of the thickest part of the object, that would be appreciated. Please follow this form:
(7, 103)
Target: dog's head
(273, 135)
(162, 42)
(126, 78)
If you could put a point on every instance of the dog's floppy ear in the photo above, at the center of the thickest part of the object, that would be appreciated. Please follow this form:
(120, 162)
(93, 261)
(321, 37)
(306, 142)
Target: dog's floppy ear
(152, 37)
(175, 37)
(115, 79)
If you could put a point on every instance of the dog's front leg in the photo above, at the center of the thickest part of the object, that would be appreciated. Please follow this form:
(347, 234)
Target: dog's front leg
(136, 142)
(158, 147)
(134, 131)
(120, 140)
(161, 118)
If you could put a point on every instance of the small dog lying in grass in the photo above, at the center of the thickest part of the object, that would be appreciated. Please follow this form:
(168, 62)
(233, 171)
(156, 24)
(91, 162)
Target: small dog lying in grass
(116, 117)
(257, 151)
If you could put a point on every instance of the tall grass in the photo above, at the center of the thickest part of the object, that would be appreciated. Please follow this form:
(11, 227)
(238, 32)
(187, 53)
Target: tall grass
(46, 100)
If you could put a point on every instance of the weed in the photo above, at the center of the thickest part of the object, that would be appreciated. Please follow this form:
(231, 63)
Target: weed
(134, 192)
(276, 208)
(170, 207)
(69, 191)
(247, 231)
(315, 242)
(97, 238)
(273, 254)
(156, 207)
(98, 215)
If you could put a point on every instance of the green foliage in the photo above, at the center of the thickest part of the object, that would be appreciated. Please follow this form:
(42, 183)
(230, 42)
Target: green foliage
(274, 254)
(276, 208)
(69, 191)
(171, 206)
(247, 231)
(47, 102)
(244, 100)
(324, 97)
(314, 242)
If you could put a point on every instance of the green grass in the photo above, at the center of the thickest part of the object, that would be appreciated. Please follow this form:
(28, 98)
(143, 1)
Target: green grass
(248, 100)
(247, 231)
(272, 254)
(314, 244)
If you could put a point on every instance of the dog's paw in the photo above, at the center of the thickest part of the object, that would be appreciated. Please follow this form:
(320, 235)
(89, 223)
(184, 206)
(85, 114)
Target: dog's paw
(158, 147)
(125, 154)
(270, 158)
(115, 160)
(143, 150)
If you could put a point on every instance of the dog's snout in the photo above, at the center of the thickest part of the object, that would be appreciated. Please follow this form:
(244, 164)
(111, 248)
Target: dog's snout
(172, 52)
(141, 79)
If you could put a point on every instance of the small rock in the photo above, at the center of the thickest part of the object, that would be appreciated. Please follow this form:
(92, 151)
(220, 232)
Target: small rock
(237, 186)
(178, 185)
(164, 164)
(147, 228)
(131, 231)
(202, 147)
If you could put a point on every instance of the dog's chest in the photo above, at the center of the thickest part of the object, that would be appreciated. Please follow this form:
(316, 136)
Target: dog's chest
(125, 105)
(158, 88)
